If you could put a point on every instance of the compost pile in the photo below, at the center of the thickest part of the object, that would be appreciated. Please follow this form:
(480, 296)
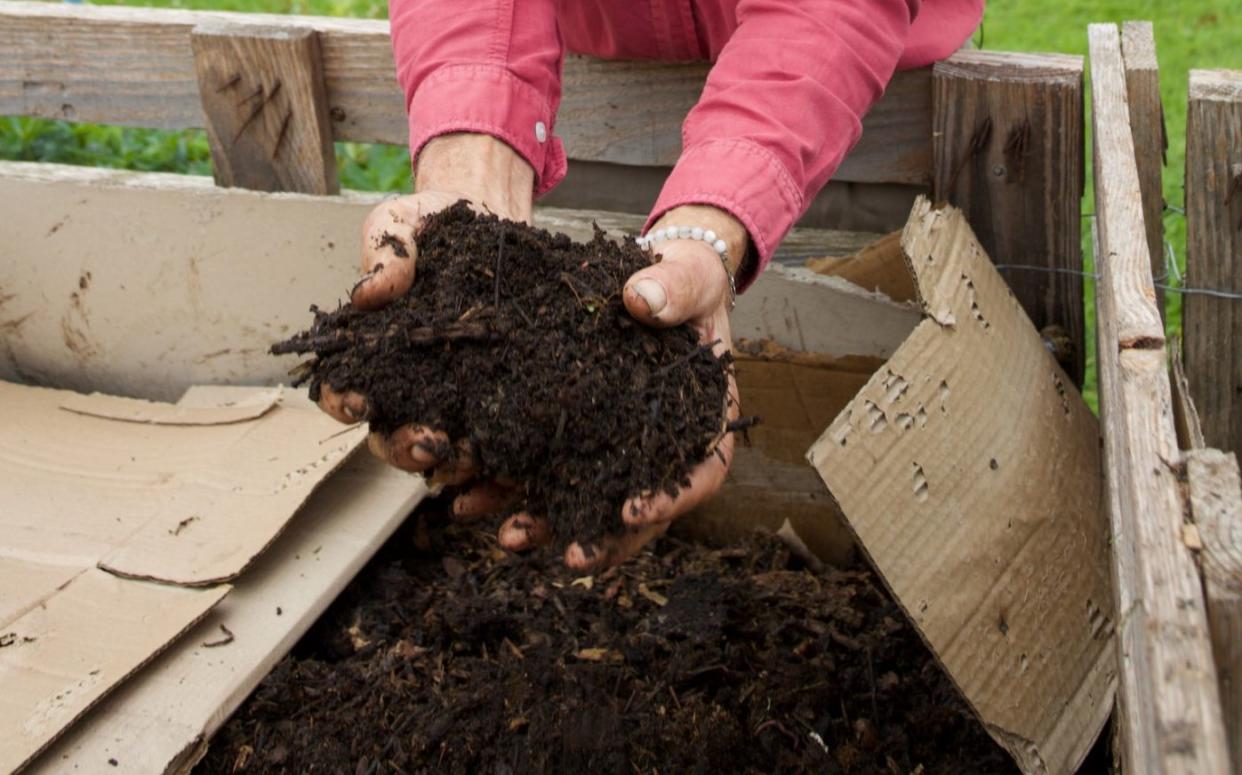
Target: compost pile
(518, 341)
(467, 659)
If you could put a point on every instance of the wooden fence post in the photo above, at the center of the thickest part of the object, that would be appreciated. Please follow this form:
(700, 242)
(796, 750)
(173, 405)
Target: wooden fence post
(1169, 703)
(1212, 326)
(1138, 50)
(1215, 492)
(1007, 149)
(263, 95)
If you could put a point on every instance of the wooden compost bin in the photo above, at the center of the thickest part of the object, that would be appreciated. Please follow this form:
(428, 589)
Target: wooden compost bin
(196, 287)
(1175, 506)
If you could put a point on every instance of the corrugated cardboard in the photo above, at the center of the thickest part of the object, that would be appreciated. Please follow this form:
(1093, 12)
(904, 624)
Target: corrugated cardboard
(64, 654)
(969, 470)
(90, 484)
(160, 720)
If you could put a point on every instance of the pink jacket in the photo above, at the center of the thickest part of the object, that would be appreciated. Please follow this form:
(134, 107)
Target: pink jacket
(782, 105)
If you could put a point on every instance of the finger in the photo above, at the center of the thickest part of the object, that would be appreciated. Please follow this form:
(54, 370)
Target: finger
(414, 448)
(388, 252)
(348, 407)
(458, 468)
(522, 531)
(612, 550)
(690, 282)
(706, 480)
(482, 500)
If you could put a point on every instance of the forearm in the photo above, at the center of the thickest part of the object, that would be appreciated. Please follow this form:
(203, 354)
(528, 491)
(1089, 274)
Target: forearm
(485, 170)
(482, 67)
(775, 120)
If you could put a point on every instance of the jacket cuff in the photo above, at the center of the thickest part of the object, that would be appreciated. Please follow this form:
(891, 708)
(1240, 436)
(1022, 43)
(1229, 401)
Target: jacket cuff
(489, 99)
(744, 179)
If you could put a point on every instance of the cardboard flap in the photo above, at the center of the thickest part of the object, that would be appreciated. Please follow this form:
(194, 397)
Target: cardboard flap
(185, 504)
(60, 658)
(252, 406)
(969, 470)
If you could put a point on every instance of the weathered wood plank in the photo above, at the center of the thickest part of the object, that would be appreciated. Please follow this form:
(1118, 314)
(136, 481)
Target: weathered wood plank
(1212, 326)
(133, 66)
(1138, 51)
(1170, 714)
(1008, 150)
(1215, 490)
(266, 107)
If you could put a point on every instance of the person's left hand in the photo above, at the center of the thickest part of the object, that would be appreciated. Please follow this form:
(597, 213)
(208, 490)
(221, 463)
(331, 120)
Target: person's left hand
(688, 285)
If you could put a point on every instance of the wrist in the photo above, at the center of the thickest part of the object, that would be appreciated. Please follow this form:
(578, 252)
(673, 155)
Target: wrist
(480, 167)
(727, 228)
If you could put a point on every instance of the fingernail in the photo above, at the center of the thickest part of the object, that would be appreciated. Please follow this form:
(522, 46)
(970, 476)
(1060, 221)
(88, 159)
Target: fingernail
(420, 454)
(353, 412)
(652, 293)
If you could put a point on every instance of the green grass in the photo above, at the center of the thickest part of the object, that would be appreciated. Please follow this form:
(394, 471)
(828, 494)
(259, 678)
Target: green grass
(1189, 34)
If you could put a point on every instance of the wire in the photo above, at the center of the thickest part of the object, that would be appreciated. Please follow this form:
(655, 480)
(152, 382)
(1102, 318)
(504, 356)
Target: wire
(1214, 293)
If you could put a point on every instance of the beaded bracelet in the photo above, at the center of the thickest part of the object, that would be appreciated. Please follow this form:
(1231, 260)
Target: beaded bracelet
(694, 233)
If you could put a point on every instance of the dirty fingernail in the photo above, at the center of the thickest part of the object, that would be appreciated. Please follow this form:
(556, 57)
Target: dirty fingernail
(652, 293)
(353, 412)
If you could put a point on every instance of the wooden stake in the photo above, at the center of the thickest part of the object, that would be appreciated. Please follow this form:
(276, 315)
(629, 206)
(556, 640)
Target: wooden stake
(263, 96)
(1008, 150)
(1212, 326)
(1216, 504)
(1138, 50)
(1170, 715)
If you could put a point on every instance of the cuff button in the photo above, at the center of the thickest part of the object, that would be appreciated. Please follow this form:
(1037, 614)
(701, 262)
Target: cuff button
(541, 131)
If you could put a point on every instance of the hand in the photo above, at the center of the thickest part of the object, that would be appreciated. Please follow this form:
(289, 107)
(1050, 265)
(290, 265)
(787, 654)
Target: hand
(493, 177)
(688, 285)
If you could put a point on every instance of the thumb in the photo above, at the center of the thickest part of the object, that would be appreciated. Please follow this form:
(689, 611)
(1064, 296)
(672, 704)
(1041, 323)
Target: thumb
(387, 252)
(690, 282)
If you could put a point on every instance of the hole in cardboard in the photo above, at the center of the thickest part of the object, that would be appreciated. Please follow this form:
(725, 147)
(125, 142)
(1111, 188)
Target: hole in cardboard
(895, 386)
(904, 421)
(876, 418)
(975, 312)
(944, 396)
(920, 483)
(921, 417)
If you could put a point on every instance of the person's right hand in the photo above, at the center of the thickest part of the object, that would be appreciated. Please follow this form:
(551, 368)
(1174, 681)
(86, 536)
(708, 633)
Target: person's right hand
(492, 177)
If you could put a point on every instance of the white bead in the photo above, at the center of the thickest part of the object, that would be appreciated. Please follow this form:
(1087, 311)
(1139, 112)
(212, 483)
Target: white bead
(659, 235)
(709, 235)
(696, 232)
(720, 246)
(683, 232)
(541, 131)
(642, 241)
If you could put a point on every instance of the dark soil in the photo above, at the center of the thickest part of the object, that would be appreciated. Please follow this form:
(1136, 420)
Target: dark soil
(517, 340)
(466, 659)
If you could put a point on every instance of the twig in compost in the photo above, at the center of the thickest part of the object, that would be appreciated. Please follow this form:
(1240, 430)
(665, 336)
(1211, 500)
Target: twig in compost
(683, 360)
(327, 344)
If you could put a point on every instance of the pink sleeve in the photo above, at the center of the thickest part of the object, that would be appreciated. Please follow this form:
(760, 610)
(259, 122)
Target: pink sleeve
(782, 106)
(486, 66)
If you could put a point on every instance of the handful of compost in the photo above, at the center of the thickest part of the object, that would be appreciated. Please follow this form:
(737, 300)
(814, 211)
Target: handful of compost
(512, 360)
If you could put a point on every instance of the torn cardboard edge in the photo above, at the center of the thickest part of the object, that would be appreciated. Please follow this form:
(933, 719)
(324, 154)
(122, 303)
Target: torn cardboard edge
(99, 499)
(57, 666)
(248, 407)
(968, 470)
(162, 718)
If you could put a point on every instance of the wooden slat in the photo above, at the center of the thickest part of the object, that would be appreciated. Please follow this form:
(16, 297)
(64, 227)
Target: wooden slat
(1212, 326)
(1008, 151)
(1170, 708)
(267, 111)
(133, 66)
(1215, 490)
(1138, 51)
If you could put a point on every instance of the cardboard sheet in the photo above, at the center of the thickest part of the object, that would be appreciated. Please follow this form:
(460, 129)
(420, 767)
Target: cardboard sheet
(62, 656)
(185, 504)
(969, 470)
(185, 494)
(160, 720)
